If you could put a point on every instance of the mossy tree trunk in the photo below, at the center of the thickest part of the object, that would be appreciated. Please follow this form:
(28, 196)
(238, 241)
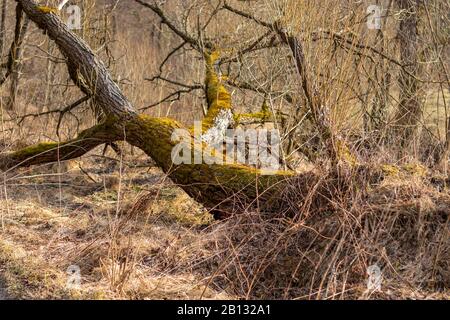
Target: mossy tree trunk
(223, 188)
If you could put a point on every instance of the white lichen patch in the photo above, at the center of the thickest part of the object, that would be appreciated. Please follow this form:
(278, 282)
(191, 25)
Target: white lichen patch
(216, 134)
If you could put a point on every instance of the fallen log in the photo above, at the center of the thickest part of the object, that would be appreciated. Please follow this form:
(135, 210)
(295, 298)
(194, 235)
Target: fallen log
(222, 188)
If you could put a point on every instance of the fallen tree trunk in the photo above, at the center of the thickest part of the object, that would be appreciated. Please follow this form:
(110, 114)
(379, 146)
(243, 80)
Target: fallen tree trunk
(223, 188)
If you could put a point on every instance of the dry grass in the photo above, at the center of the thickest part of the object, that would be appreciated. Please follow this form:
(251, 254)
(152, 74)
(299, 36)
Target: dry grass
(124, 249)
(137, 243)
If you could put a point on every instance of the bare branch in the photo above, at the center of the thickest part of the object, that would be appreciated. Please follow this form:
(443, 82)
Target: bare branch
(165, 20)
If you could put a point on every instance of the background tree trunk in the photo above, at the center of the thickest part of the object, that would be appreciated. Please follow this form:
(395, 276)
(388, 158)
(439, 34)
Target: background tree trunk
(409, 110)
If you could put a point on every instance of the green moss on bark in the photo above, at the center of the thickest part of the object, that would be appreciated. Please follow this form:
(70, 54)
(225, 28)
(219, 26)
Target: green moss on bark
(217, 96)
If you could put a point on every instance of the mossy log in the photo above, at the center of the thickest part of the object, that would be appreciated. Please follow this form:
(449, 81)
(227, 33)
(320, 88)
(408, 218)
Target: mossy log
(222, 188)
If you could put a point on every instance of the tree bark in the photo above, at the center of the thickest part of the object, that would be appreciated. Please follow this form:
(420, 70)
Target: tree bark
(223, 188)
(410, 107)
(85, 69)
